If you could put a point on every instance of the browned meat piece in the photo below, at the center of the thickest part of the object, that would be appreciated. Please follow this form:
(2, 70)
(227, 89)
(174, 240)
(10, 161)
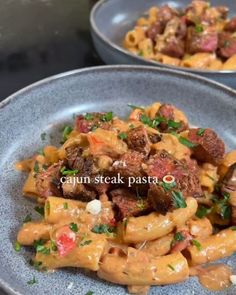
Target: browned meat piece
(129, 164)
(186, 180)
(77, 162)
(91, 121)
(165, 14)
(128, 204)
(137, 139)
(166, 111)
(229, 181)
(227, 45)
(48, 182)
(154, 30)
(184, 241)
(209, 147)
(79, 191)
(154, 138)
(231, 25)
(201, 41)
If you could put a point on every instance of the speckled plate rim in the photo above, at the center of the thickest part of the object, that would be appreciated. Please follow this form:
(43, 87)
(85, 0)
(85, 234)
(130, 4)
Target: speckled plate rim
(108, 42)
(212, 84)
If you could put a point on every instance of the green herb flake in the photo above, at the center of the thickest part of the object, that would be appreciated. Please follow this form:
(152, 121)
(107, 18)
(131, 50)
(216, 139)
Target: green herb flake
(65, 206)
(125, 222)
(36, 264)
(198, 28)
(233, 228)
(39, 210)
(202, 211)
(103, 229)
(65, 171)
(146, 120)
(36, 167)
(66, 132)
(40, 247)
(134, 107)
(28, 218)
(122, 135)
(201, 131)
(168, 186)
(209, 176)
(88, 117)
(43, 136)
(171, 267)
(140, 204)
(226, 43)
(107, 117)
(173, 124)
(197, 244)
(178, 200)
(178, 237)
(89, 293)
(84, 243)
(17, 246)
(186, 142)
(224, 208)
(131, 126)
(74, 227)
(53, 245)
(33, 281)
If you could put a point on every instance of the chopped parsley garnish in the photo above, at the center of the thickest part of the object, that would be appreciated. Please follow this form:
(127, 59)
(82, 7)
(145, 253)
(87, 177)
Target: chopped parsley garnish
(65, 171)
(89, 293)
(131, 126)
(36, 264)
(168, 186)
(197, 244)
(146, 120)
(198, 28)
(134, 107)
(223, 206)
(66, 132)
(43, 136)
(187, 142)
(84, 243)
(107, 117)
(28, 218)
(103, 229)
(65, 205)
(125, 222)
(178, 200)
(53, 246)
(17, 246)
(39, 210)
(36, 167)
(202, 211)
(140, 204)
(201, 131)
(40, 247)
(178, 237)
(173, 124)
(226, 43)
(209, 176)
(140, 53)
(33, 281)
(122, 135)
(74, 227)
(171, 267)
(88, 117)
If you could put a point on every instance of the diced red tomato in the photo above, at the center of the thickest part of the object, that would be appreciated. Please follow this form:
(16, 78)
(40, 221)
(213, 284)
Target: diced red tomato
(65, 241)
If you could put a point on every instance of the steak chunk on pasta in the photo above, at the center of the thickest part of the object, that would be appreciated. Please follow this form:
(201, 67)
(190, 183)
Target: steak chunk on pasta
(231, 25)
(92, 121)
(208, 146)
(127, 204)
(138, 140)
(227, 45)
(48, 182)
(185, 181)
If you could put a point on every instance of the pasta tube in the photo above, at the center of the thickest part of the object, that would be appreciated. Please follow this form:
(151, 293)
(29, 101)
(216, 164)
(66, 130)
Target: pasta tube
(140, 269)
(212, 248)
(154, 225)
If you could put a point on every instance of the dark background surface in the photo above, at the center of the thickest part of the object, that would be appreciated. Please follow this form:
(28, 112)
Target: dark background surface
(40, 38)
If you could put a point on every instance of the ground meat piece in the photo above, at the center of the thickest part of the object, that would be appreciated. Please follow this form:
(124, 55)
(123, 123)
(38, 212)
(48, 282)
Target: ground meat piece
(154, 30)
(231, 25)
(137, 139)
(91, 121)
(226, 45)
(201, 42)
(77, 191)
(48, 182)
(128, 204)
(209, 147)
(186, 180)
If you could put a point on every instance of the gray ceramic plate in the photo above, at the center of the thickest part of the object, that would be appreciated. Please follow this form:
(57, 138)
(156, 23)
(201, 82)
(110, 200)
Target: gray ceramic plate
(111, 19)
(45, 107)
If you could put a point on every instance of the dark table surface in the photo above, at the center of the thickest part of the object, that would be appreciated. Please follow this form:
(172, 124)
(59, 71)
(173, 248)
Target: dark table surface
(40, 38)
